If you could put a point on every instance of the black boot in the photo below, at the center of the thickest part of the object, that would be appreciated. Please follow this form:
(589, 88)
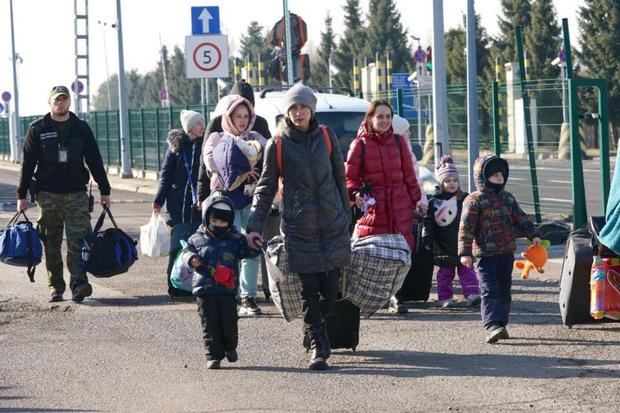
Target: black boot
(323, 340)
(317, 360)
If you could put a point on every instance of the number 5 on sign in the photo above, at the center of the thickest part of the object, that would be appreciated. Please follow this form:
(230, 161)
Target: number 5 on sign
(206, 56)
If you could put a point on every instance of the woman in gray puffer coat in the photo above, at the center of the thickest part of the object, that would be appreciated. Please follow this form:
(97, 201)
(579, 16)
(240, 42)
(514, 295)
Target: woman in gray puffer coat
(315, 210)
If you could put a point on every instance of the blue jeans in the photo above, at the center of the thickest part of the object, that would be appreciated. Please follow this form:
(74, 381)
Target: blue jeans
(495, 274)
(249, 267)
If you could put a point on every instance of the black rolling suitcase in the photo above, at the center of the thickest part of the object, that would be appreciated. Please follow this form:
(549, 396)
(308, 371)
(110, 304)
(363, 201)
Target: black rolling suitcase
(417, 284)
(343, 325)
(575, 279)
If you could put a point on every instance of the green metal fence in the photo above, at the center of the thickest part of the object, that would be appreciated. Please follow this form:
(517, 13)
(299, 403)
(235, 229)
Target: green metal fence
(148, 129)
(148, 132)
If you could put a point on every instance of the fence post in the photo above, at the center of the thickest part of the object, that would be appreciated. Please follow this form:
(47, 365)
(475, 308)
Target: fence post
(580, 213)
(119, 146)
(495, 94)
(528, 125)
(143, 141)
(157, 140)
(603, 140)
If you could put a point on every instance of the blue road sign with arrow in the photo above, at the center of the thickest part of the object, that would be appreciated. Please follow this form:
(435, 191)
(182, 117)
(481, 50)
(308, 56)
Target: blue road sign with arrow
(205, 20)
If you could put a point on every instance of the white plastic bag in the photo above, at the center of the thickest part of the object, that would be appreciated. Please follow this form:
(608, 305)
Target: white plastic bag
(155, 237)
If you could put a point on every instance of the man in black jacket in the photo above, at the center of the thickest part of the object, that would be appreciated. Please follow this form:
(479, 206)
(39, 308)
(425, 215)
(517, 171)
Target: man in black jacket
(56, 149)
(244, 89)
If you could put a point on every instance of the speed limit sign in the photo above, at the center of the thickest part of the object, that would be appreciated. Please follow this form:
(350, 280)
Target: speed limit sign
(206, 56)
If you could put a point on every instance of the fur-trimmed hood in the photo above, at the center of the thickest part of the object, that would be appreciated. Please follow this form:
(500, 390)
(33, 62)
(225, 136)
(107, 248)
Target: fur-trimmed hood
(177, 138)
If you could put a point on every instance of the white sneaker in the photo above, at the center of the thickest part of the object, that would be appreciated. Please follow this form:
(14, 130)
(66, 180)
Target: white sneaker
(445, 303)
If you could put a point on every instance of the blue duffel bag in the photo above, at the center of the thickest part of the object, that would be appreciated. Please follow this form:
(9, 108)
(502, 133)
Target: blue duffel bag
(20, 244)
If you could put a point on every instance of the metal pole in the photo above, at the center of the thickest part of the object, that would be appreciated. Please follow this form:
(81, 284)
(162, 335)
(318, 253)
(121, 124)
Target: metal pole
(399, 102)
(564, 106)
(603, 139)
(580, 213)
(15, 141)
(419, 112)
(163, 69)
(329, 72)
(107, 71)
(289, 54)
(122, 100)
(495, 97)
(528, 125)
(440, 94)
(207, 92)
(202, 91)
(472, 91)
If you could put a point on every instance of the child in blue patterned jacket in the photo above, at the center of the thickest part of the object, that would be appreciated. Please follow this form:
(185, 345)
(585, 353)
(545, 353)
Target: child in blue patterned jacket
(214, 252)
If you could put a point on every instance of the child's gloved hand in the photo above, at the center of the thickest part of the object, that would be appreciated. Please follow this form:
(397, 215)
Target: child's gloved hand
(224, 276)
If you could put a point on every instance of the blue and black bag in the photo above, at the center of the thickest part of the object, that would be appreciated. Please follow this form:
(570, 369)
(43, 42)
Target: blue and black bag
(109, 252)
(20, 244)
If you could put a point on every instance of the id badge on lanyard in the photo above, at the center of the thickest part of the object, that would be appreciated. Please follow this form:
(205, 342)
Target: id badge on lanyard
(62, 154)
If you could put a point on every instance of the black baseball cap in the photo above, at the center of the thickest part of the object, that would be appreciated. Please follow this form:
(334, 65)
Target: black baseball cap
(57, 91)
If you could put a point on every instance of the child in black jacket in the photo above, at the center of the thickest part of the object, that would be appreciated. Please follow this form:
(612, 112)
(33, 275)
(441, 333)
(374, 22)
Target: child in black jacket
(215, 251)
(441, 233)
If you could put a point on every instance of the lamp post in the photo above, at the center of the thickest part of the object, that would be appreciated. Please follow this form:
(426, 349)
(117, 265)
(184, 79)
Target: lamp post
(105, 51)
(472, 96)
(15, 141)
(122, 100)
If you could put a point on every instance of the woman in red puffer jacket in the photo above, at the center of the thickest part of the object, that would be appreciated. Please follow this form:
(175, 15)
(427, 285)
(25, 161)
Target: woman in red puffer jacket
(379, 160)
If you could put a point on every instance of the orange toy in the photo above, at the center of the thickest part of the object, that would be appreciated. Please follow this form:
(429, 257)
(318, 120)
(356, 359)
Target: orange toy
(535, 258)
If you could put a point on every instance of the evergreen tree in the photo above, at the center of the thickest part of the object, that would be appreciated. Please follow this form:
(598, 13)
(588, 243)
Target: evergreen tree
(456, 64)
(515, 13)
(456, 70)
(135, 92)
(320, 69)
(599, 24)
(386, 33)
(100, 99)
(183, 91)
(254, 43)
(351, 44)
(154, 81)
(543, 41)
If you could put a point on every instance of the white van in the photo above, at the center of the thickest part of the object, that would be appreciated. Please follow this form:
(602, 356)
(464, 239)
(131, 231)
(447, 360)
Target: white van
(342, 113)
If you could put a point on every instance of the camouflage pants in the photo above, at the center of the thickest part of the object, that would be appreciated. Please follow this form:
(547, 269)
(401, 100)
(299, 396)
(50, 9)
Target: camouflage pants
(58, 212)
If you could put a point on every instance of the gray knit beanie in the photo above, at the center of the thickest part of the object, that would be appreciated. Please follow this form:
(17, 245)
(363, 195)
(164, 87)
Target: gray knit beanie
(189, 118)
(299, 94)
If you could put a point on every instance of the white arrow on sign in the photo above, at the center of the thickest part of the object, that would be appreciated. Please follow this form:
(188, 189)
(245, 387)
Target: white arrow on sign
(205, 17)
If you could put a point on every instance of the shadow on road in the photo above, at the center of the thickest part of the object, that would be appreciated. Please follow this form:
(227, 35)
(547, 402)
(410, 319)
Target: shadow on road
(423, 364)
(3, 397)
(138, 301)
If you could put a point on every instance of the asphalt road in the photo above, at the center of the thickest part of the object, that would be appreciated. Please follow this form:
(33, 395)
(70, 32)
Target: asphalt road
(131, 348)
